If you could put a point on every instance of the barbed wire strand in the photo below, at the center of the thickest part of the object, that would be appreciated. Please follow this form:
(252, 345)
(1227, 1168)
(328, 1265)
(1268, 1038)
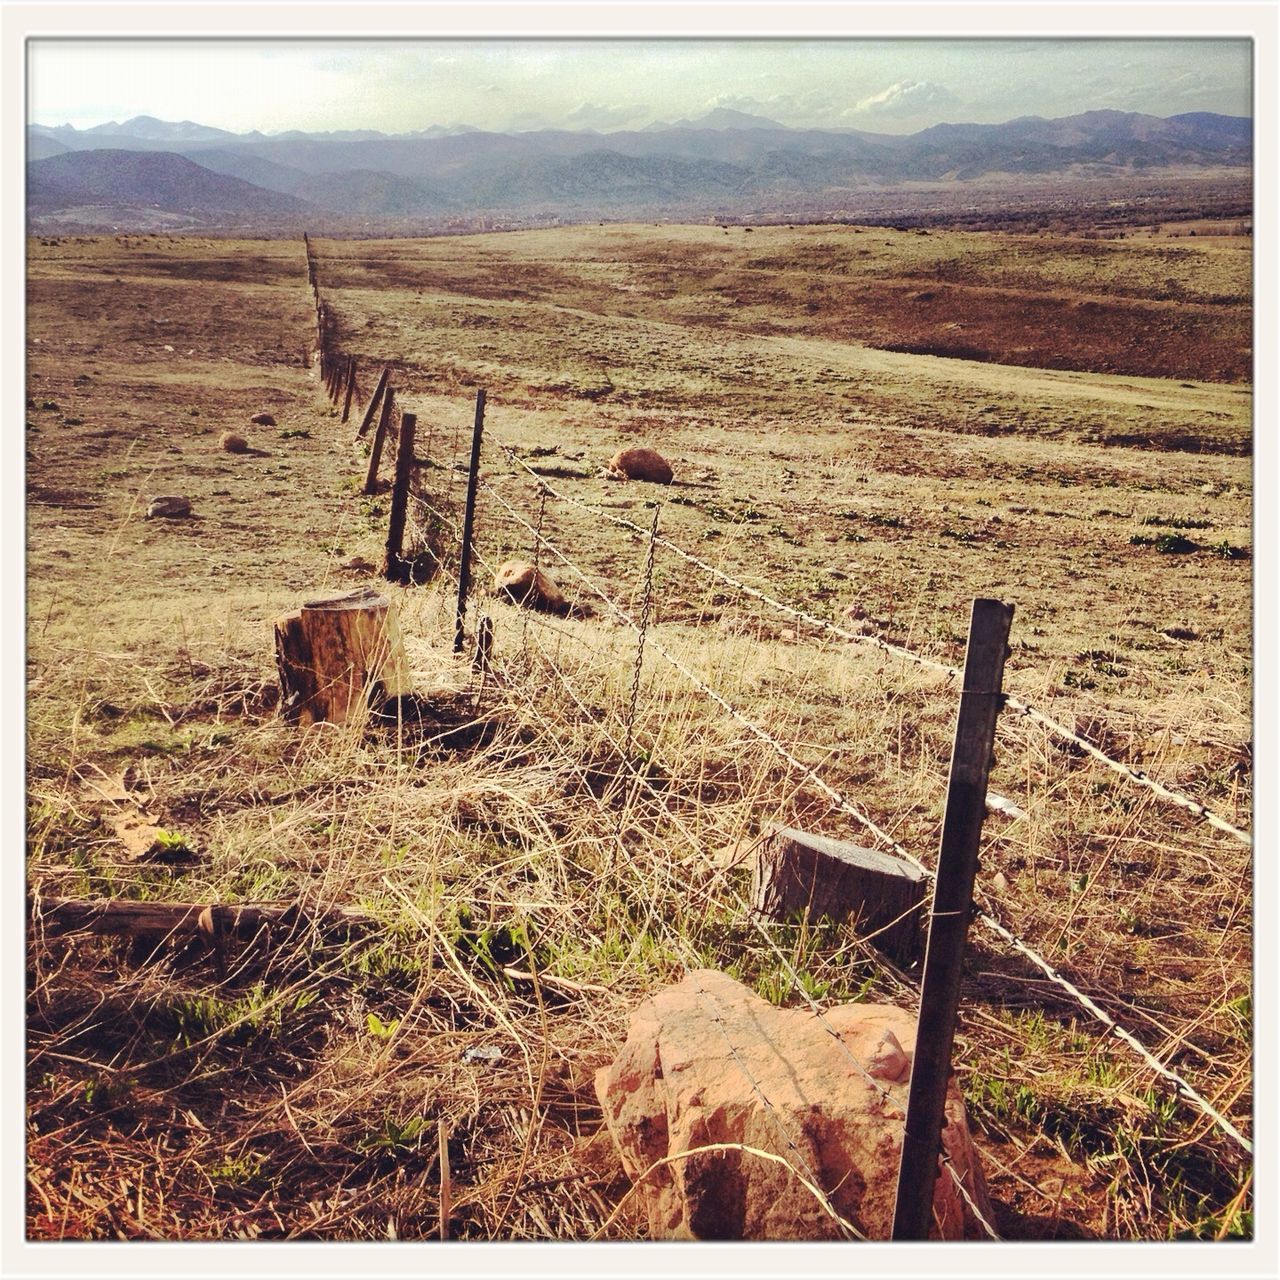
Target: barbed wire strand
(1059, 730)
(1192, 806)
(785, 963)
(1184, 1088)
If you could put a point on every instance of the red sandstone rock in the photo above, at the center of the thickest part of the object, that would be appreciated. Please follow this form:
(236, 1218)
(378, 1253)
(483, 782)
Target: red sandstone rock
(700, 1061)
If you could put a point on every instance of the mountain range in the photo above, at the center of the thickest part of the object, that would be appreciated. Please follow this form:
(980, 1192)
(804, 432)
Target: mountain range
(146, 173)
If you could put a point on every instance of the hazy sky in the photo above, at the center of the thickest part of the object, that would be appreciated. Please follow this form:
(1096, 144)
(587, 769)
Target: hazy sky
(889, 86)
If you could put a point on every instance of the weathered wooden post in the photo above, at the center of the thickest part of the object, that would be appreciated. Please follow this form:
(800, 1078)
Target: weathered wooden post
(379, 438)
(337, 651)
(799, 875)
(981, 697)
(394, 568)
(468, 522)
(351, 388)
(373, 404)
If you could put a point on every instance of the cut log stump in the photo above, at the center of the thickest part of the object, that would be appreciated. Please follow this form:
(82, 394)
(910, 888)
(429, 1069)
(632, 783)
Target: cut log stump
(338, 655)
(798, 875)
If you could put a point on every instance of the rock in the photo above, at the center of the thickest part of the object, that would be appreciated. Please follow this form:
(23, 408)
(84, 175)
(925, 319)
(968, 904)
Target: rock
(171, 507)
(519, 582)
(231, 442)
(700, 1059)
(263, 420)
(642, 464)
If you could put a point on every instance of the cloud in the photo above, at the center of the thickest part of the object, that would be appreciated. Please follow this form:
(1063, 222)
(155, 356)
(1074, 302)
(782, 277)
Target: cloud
(590, 115)
(812, 106)
(906, 98)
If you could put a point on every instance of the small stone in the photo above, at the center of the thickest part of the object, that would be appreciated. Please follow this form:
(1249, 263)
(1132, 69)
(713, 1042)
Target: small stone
(523, 584)
(887, 1060)
(169, 507)
(231, 442)
(642, 464)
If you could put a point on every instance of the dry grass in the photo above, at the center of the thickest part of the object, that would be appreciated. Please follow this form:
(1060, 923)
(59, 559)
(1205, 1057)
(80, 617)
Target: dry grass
(311, 1091)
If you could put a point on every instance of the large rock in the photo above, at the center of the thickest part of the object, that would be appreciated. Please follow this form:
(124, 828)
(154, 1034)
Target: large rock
(641, 464)
(522, 583)
(707, 1061)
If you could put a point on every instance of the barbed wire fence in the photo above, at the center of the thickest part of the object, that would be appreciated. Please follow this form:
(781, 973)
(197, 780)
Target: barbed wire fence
(435, 513)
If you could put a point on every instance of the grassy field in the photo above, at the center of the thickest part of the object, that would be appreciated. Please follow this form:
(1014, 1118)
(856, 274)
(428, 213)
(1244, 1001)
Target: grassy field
(874, 426)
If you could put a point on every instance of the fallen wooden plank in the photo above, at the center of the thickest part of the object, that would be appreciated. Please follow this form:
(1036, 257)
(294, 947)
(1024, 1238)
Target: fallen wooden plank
(58, 916)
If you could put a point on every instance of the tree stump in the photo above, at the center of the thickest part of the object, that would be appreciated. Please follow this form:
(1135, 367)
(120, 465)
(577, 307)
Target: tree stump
(808, 876)
(338, 654)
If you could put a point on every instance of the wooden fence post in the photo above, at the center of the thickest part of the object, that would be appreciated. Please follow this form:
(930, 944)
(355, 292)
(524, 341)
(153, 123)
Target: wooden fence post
(980, 701)
(379, 436)
(393, 567)
(468, 522)
(335, 652)
(351, 388)
(376, 401)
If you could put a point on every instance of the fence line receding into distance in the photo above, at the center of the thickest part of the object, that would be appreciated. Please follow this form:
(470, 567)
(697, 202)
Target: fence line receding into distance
(338, 376)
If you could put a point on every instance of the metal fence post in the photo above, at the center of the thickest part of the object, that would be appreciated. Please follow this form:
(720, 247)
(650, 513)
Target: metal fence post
(981, 697)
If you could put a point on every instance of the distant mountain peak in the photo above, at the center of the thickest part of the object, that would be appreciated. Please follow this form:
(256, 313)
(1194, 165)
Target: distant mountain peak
(155, 130)
(727, 118)
(721, 162)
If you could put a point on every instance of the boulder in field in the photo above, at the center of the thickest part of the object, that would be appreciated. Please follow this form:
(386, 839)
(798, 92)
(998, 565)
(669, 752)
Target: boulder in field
(523, 584)
(642, 464)
(232, 442)
(169, 507)
(700, 1060)
(263, 420)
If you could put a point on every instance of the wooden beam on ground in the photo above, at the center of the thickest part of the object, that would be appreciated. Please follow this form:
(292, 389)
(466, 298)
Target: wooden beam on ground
(56, 916)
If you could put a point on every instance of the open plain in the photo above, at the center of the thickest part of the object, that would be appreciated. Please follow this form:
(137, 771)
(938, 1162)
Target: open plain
(867, 425)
